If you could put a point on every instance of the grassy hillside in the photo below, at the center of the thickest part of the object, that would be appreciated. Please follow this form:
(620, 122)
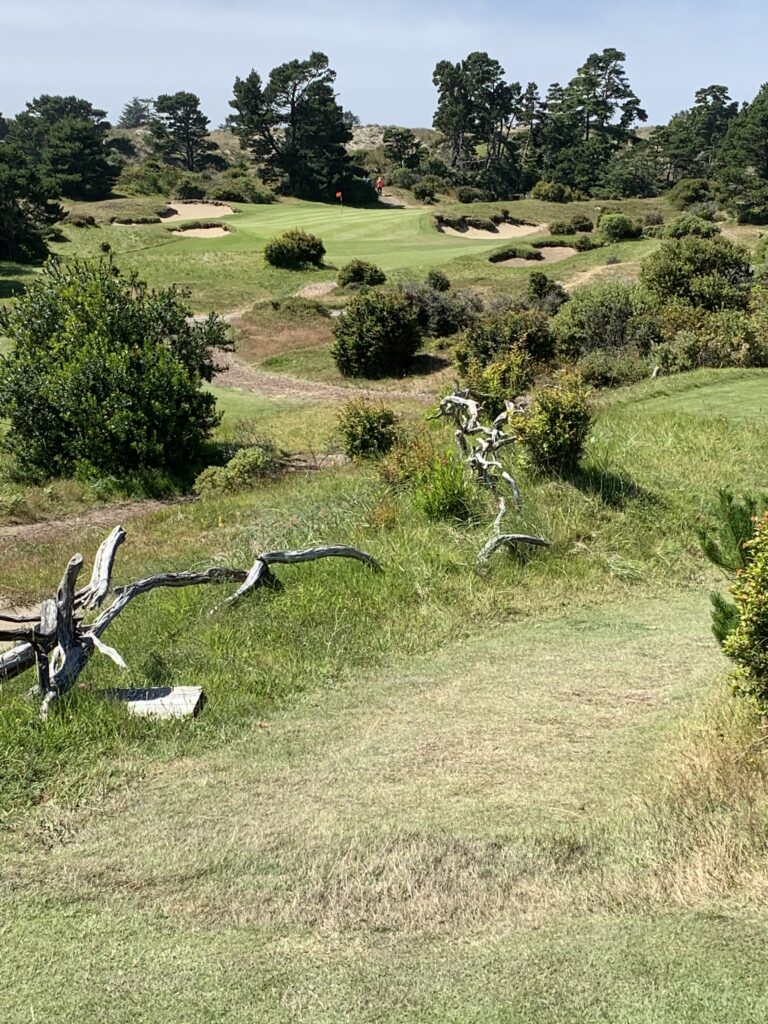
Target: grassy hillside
(429, 795)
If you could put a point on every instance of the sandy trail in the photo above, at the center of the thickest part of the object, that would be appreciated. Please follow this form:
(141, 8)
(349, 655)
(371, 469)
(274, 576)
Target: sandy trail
(610, 272)
(197, 211)
(552, 254)
(282, 385)
(105, 517)
(504, 231)
(316, 290)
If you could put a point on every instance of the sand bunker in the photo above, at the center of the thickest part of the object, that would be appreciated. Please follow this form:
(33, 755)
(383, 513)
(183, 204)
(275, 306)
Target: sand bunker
(316, 290)
(197, 211)
(201, 232)
(505, 231)
(552, 254)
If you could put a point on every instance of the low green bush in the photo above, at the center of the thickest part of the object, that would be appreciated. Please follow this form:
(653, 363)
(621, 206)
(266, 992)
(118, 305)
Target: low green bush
(243, 470)
(241, 190)
(761, 250)
(469, 194)
(613, 368)
(499, 332)
(713, 273)
(586, 244)
(135, 220)
(504, 378)
(555, 430)
(294, 250)
(607, 315)
(514, 252)
(444, 491)
(377, 336)
(367, 430)
(552, 192)
(79, 220)
(438, 281)
(689, 224)
(441, 314)
(618, 227)
(687, 192)
(543, 293)
(747, 644)
(360, 272)
(577, 223)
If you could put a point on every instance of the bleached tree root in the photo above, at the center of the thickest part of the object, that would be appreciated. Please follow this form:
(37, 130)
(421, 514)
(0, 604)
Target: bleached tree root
(60, 644)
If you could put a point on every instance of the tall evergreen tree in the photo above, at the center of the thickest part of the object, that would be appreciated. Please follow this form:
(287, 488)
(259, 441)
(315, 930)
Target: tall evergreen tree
(179, 131)
(743, 161)
(27, 209)
(295, 128)
(691, 141)
(136, 113)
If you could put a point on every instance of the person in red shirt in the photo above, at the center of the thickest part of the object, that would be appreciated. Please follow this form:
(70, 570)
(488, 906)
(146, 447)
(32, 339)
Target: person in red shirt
(379, 184)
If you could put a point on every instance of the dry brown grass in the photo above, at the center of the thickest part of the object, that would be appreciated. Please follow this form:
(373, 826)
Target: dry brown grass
(260, 334)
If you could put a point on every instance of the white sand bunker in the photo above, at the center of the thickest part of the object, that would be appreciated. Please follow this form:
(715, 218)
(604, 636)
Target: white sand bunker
(197, 211)
(316, 290)
(551, 254)
(201, 232)
(505, 231)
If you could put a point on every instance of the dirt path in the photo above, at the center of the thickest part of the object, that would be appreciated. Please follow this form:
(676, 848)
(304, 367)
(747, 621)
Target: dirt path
(104, 516)
(281, 385)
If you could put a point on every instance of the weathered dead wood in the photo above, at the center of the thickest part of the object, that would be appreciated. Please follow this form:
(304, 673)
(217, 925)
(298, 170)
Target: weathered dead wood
(510, 540)
(60, 644)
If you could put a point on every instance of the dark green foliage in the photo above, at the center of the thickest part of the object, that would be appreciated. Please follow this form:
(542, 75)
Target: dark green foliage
(439, 314)
(105, 375)
(555, 431)
(503, 378)
(611, 315)
(543, 293)
(136, 113)
(747, 642)
(634, 170)
(297, 132)
(503, 331)
(241, 190)
(618, 227)
(295, 249)
(585, 244)
(377, 336)
(743, 162)
(579, 222)
(367, 430)
(138, 220)
(179, 131)
(689, 191)
(444, 490)
(470, 194)
(438, 280)
(514, 252)
(148, 178)
(402, 147)
(64, 138)
(726, 337)
(689, 224)
(613, 368)
(361, 272)
(690, 144)
(552, 192)
(426, 189)
(247, 467)
(713, 273)
(27, 209)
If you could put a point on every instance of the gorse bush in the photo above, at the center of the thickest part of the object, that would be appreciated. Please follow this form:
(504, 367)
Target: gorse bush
(504, 378)
(360, 272)
(243, 470)
(610, 315)
(501, 331)
(617, 227)
(555, 430)
(295, 249)
(378, 335)
(105, 375)
(367, 430)
(551, 192)
(713, 273)
(687, 192)
(438, 313)
(747, 644)
(689, 224)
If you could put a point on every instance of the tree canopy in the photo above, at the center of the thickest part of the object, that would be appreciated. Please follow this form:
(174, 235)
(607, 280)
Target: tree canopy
(179, 131)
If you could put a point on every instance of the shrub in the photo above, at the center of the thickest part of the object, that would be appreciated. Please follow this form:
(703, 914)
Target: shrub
(721, 339)
(105, 375)
(440, 314)
(190, 186)
(444, 490)
(469, 194)
(687, 192)
(294, 249)
(576, 224)
(610, 315)
(761, 250)
(360, 272)
(586, 244)
(713, 273)
(79, 220)
(505, 377)
(367, 430)
(243, 470)
(427, 189)
(500, 332)
(551, 192)
(555, 430)
(545, 294)
(613, 368)
(747, 644)
(135, 220)
(408, 458)
(653, 218)
(653, 231)
(617, 227)
(688, 224)
(377, 335)
(403, 177)
(241, 190)
(514, 252)
(580, 222)
(440, 282)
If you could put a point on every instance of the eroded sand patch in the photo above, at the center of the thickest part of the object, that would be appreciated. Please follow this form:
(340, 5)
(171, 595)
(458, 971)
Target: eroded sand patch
(201, 232)
(505, 231)
(316, 290)
(197, 211)
(551, 254)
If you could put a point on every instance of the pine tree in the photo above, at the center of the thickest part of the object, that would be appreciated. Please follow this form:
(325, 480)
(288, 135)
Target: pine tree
(179, 131)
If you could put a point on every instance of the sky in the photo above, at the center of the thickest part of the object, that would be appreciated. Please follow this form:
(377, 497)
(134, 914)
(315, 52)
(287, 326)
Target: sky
(384, 53)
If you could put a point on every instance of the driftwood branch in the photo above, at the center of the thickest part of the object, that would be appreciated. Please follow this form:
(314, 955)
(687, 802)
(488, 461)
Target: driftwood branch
(60, 644)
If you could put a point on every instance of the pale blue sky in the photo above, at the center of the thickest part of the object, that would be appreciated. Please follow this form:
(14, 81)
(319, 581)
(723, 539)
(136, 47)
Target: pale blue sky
(384, 53)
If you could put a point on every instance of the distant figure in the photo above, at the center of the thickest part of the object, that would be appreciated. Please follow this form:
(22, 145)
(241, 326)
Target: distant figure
(379, 185)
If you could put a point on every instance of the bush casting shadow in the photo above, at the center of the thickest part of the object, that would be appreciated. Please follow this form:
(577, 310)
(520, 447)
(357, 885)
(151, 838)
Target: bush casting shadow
(614, 489)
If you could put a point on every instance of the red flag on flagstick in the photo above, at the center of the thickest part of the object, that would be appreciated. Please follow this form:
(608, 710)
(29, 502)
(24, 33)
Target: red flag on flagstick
(338, 195)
